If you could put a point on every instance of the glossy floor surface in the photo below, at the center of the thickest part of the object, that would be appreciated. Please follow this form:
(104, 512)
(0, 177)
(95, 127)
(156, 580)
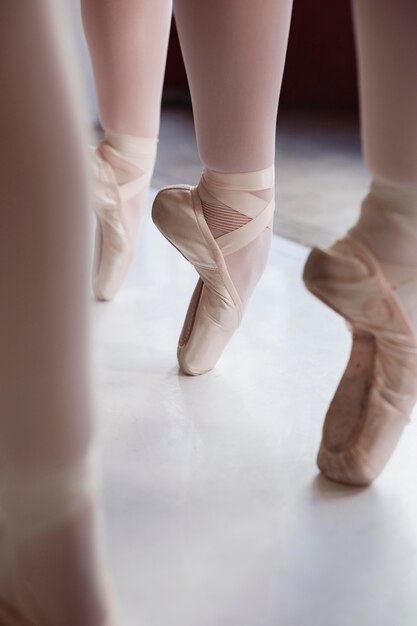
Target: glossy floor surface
(216, 513)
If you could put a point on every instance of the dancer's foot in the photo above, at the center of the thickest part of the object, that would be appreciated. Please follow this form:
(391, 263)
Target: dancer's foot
(123, 167)
(223, 228)
(378, 298)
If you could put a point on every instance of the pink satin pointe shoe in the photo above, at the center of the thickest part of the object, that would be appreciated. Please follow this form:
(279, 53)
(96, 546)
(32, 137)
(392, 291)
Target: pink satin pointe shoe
(378, 390)
(115, 236)
(215, 310)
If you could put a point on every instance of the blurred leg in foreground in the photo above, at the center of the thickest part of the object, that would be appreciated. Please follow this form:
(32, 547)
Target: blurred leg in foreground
(50, 563)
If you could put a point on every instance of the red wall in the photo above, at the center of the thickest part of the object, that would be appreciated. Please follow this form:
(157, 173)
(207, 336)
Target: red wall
(320, 67)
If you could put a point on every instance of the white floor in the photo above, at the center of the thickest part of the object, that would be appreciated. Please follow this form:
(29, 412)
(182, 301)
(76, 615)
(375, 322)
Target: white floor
(216, 513)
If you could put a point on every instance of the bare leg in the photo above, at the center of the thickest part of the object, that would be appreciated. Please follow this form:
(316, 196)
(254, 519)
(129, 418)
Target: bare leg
(46, 417)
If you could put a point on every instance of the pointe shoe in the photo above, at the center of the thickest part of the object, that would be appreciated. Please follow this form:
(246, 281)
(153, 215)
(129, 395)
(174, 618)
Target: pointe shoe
(115, 244)
(378, 390)
(215, 310)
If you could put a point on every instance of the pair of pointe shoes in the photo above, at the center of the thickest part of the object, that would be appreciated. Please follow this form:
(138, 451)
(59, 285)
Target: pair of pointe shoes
(378, 389)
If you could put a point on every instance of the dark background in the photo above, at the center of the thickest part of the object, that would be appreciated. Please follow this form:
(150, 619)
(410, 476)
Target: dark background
(320, 70)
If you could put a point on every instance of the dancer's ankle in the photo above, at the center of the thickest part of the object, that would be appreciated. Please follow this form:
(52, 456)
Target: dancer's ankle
(231, 200)
(129, 155)
(387, 224)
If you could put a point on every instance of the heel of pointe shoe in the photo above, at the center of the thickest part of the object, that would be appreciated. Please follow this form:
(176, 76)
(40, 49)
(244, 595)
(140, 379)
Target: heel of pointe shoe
(344, 277)
(321, 269)
(175, 214)
(312, 268)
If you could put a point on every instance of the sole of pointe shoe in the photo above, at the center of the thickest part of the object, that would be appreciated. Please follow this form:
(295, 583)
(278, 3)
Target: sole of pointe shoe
(354, 449)
(204, 336)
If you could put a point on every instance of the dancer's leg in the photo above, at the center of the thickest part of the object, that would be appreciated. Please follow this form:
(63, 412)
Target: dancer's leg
(234, 53)
(49, 564)
(387, 49)
(128, 41)
(371, 276)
